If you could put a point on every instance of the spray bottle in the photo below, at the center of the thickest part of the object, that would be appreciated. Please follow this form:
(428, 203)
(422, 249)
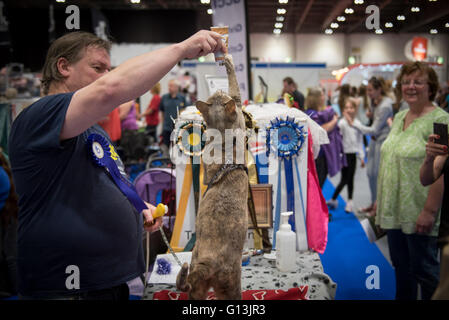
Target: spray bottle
(286, 245)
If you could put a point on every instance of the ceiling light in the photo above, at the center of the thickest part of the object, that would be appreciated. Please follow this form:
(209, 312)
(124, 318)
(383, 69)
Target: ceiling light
(358, 1)
(328, 31)
(60, 1)
(283, 1)
(277, 31)
(341, 18)
(280, 18)
(388, 25)
(433, 31)
(281, 11)
(205, 1)
(278, 25)
(379, 31)
(135, 1)
(349, 11)
(334, 25)
(447, 25)
(401, 18)
(415, 9)
(210, 11)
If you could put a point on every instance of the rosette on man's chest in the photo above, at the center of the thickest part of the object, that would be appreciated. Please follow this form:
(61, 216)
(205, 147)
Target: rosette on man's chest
(99, 149)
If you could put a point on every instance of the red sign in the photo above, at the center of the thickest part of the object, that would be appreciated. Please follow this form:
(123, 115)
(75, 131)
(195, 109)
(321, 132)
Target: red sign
(419, 48)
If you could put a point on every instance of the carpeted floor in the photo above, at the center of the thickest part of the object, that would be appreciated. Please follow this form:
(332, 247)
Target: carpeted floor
(357, 266)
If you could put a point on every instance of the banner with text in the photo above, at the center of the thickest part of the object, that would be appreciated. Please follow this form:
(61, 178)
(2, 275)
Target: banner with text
(231, 13)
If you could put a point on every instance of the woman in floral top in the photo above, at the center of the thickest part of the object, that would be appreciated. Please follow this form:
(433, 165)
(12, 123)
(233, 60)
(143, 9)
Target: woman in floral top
(408, 211)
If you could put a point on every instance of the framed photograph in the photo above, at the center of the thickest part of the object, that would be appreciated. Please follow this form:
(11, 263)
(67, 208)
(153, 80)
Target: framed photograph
(262, 196)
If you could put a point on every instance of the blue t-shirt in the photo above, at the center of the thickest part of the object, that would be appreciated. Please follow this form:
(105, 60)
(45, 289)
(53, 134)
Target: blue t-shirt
(70, 211)
(169, 106)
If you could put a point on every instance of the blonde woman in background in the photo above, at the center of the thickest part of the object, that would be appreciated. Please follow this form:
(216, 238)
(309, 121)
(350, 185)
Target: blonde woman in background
(331, 157)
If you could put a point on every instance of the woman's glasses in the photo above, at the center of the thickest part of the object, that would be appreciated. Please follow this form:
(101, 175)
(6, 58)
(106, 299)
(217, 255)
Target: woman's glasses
(418, 83)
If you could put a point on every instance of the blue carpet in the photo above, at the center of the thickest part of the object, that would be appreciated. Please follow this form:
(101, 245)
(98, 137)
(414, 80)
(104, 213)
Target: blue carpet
(349, 253)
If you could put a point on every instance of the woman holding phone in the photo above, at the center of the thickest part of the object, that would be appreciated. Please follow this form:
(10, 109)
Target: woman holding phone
(407, 210)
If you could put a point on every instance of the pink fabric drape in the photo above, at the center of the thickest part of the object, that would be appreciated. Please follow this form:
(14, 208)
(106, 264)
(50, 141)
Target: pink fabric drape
(317, 211)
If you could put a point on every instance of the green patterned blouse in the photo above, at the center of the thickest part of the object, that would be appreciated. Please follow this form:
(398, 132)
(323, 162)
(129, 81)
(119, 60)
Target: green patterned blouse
(400, 195)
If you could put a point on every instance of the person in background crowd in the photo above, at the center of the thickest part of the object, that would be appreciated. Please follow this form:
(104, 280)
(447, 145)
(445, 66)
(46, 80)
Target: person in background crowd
(8, 231)
(112, 125)
(389, 90)
(383, 110)
(353, 148)
(171, 103)
(363, 107)
(80, 236)
(128, 116)
(151, 114)
(344, 93)
(331, 157)
(442, 98)
(408, 211)
(291, 88)
(434, 166)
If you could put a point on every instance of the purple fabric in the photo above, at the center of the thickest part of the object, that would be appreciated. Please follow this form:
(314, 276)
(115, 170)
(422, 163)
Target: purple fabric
(151, 181)
(130, 122)
(335, 157)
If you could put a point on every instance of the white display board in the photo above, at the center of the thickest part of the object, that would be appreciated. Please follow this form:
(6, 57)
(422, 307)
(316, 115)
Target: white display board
(264, 114)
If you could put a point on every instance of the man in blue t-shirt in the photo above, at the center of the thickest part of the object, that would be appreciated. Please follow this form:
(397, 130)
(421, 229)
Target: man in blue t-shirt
(79, 236)
(171, 103)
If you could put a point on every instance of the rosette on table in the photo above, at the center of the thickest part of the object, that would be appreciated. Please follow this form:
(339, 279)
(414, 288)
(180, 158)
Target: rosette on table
(285, 139)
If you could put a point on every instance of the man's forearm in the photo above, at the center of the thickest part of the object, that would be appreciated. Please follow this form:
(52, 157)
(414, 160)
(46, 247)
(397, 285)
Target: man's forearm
(128, 81)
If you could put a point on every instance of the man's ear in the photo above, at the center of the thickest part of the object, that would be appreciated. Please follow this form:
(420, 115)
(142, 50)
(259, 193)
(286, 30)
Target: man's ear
(230, 107)
(203, 107)
(63, 67)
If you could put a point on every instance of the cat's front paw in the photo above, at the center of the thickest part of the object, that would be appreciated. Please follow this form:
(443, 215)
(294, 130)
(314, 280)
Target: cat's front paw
(228, 60)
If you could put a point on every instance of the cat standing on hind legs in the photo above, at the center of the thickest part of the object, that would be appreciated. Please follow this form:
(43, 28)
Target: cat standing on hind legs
(222, 219)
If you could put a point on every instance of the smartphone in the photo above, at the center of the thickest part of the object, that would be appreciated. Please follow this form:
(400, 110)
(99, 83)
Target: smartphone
(441, 130)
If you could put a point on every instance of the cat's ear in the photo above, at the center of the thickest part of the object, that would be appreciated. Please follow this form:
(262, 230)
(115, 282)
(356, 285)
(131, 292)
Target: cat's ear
(203, 107)
(230, 107)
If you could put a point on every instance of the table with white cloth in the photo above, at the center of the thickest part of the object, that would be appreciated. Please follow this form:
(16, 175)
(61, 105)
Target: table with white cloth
(261, 274)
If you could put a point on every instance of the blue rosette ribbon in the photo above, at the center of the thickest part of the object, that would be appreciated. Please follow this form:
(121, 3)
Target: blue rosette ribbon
(286, 138)
(104, 155)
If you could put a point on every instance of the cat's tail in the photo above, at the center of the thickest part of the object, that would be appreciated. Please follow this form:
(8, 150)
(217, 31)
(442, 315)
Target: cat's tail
(181, 279)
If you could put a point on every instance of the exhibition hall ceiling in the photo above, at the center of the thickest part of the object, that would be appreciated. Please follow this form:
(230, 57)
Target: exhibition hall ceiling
(297, 16)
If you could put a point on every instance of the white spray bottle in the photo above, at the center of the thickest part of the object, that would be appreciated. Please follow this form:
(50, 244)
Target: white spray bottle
(286, 245)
